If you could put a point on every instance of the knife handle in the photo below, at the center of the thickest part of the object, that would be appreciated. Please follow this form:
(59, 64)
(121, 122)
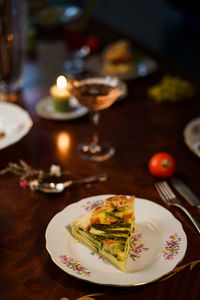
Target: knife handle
(185, 192)
(192, 219)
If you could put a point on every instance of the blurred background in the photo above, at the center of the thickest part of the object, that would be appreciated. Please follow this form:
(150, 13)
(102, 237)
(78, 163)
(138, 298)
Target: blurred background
(171, 27)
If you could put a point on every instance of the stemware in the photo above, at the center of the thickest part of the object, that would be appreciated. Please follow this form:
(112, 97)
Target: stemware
(97, 93)
(12, 49)
(76, 64)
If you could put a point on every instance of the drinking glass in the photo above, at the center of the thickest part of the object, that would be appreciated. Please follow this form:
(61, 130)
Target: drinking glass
(12, 44)
(97, 93)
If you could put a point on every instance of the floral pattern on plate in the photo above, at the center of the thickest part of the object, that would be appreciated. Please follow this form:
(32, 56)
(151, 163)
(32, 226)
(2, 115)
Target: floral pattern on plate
(136, 246)
(90, 205)
(172, 247)
(99, 256)
(74, 265)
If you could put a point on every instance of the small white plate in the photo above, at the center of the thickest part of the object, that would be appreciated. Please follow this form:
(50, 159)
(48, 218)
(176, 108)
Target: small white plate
(143, 68)
(191, 135)
(158, 245)
(44, 109)
(15, 123)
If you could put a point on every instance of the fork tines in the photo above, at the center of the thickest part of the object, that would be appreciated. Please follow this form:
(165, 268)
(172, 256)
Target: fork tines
(157, 185)
(169, 197)
(165, 191)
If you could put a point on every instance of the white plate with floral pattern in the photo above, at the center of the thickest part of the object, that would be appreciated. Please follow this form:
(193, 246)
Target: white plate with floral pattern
(15, 123)
(158, 245)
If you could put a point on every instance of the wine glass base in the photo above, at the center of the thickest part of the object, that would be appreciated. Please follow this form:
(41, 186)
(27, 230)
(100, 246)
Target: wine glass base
(97, 153)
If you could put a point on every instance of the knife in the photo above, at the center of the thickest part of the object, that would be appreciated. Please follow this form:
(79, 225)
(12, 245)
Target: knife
(185, 192)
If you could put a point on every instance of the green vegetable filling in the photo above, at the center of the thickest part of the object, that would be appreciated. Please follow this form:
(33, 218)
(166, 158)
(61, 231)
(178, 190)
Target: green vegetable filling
(118, 231)
(113, 225)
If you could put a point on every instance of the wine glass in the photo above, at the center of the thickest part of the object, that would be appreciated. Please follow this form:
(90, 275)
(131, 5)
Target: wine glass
(97, 93)
(76, 64)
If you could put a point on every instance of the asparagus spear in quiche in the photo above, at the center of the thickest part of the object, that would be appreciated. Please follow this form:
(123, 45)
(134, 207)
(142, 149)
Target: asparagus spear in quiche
(108, 228)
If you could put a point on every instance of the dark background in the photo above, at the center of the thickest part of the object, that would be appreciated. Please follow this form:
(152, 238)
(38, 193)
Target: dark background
(171, 27)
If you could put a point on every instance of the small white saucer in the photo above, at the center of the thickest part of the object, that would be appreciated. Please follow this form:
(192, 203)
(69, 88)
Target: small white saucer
(44, 109)
(191, 135)
(143, 68)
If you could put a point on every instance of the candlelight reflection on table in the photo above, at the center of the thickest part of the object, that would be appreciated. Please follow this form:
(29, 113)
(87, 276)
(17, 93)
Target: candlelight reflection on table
(63, 143)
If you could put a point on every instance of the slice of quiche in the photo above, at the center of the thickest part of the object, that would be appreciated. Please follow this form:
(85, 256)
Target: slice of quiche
(108, 228)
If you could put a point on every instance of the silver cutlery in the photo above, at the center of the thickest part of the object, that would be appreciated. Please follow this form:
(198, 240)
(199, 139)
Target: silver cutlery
(170, 198)
(185, 192)
(59, 187)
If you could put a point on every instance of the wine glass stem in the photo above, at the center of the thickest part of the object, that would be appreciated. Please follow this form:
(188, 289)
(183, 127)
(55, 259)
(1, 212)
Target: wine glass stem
(94, 117)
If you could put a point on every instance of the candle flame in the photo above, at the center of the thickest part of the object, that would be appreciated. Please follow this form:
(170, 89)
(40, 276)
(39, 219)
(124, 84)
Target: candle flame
(61, 82)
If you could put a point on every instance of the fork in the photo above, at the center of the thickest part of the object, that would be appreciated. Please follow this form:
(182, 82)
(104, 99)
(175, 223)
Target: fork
(170, 198)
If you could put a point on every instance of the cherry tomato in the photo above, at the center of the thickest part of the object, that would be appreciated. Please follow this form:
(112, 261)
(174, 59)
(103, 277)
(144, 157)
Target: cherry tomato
(94, 43)
(162, 165)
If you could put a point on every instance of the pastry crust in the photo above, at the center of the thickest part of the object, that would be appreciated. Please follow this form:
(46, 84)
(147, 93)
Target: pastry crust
(120, 202)
(119, 51)
(118, 58)
(115, 69)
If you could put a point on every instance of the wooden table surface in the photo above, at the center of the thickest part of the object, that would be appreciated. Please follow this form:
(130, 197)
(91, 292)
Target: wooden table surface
(137, 127)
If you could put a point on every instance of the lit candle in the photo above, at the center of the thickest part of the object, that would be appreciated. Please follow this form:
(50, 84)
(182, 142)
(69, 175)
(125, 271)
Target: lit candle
(60, 95)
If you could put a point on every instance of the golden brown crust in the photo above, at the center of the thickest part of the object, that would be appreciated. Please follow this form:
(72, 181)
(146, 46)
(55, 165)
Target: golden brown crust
(120, 201)
(119, 51)
(116, 202)
(118, 59)
(83, 221)
(118, 69)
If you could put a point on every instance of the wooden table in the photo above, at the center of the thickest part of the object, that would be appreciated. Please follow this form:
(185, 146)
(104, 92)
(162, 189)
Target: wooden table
(138, 128)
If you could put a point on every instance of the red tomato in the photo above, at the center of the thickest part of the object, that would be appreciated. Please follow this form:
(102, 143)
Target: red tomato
(162, 165)
(94, 43)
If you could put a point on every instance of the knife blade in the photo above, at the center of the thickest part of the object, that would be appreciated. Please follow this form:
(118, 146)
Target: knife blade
(185, 192)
